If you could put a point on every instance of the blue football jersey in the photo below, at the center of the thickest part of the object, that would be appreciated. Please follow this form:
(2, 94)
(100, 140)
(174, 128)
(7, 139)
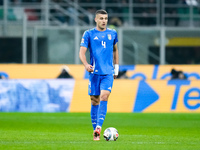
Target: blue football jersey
(100, 44)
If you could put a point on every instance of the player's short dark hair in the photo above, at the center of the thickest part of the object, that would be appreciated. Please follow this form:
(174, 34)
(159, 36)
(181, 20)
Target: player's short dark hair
(101, 11)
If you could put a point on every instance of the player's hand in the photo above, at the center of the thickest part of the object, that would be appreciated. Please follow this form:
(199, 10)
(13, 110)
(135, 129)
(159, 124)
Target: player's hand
(89, 68)
(115, 76)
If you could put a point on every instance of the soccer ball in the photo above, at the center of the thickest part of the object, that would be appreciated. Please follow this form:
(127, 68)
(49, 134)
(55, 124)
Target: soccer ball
(111, 134)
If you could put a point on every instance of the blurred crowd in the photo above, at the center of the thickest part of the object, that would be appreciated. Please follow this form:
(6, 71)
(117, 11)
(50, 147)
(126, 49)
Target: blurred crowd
(145, 12)
(17, 10)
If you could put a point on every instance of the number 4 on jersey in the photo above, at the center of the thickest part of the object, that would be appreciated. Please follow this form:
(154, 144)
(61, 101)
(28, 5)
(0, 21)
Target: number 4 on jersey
(103, 44)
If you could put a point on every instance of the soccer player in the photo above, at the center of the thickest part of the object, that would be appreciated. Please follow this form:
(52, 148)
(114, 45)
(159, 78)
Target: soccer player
(103, 68)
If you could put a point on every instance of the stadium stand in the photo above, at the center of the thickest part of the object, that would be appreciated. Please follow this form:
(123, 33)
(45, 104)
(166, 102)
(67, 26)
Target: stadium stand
(129, 12)
(132, 16)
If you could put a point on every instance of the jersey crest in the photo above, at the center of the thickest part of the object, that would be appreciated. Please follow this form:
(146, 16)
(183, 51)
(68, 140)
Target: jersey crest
(109, 36)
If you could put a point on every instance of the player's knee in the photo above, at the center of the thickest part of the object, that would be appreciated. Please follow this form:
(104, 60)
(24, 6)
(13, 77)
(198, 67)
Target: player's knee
(104, 97)
(94, 100)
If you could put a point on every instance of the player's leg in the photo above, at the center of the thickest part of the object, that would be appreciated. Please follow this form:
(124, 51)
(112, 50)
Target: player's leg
(105, 86)
(94, 112)
(94, 92)
(95, 99)
(101, 112)
(102, 107)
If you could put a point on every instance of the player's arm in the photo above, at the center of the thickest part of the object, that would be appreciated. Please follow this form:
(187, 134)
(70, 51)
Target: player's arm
(82, 57)
(116, 60)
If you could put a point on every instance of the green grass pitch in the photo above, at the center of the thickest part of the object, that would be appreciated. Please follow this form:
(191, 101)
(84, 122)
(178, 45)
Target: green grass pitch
(73, 131)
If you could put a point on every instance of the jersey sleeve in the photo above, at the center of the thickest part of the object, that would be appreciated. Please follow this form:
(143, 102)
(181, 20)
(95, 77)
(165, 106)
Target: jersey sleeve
(85, 39)
(116, 38)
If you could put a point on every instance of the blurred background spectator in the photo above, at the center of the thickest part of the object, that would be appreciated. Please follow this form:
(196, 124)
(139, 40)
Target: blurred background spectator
(122, 75)
(65, 73)
(177, 74)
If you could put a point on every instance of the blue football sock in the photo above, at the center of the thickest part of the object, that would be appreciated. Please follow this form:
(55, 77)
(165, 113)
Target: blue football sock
(93, 113)
(102, 113)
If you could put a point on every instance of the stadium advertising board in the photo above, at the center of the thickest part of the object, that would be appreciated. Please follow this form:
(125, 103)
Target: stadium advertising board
(38, 71)
(162, 72)
(144, 96)
(69, 95)
(148, 89)
(168, 96)
(36, 95)
(46, 71)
